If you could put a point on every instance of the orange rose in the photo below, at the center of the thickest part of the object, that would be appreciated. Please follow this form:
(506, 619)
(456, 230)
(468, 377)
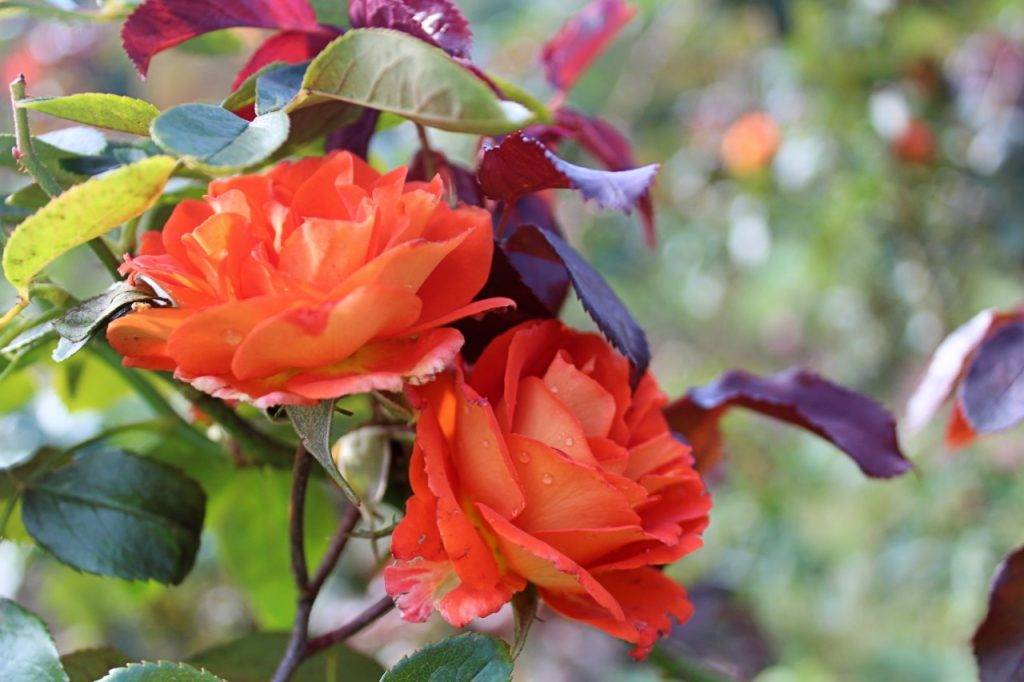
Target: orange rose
(314, 280)
(543, 466)
(750, 143)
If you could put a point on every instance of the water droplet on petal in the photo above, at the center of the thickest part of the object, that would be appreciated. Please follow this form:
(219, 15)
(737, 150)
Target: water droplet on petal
(554, 389)
(421, 539)
(485, 443)
(524, 457)
(548, 479)
(569, 441)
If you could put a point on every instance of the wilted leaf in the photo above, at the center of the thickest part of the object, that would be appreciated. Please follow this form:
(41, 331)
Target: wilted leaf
(254, 658)
(582, 40)
(164, 671)
(112, 513)
(999, 640)
(28, 650)
(81, 213)
(524, 609)
(601, 303)
(313, 424)
(157, 25)
(992, 392)
(854, 423)
(113, 112)
(521, 165)
(87, 665)
(212, 137)
(439, 22)
(80, 323)
(391, 71)
(363, 456)
(469, 656)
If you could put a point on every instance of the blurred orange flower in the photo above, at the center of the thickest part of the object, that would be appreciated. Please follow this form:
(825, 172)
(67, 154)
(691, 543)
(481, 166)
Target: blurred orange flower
(916, 144)
(317, 279)
(750, 143)
(543, 466)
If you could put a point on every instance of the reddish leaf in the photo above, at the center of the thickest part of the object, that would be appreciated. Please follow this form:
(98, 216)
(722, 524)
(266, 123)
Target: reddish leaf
(854, 423)
(582, 40)
(999, 640)
(521, 165)
(438, 22)
(992, 392)
(355, 137)
(290, 47)
(157, 25)
(601, 303)
(605, 143)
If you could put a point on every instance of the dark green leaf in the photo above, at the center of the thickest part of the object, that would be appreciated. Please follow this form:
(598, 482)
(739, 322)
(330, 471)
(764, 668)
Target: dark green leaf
(87, 665)
(81, 322)
(313, 424)
(395, 72)
(164, 671)
(117, 514)
(254, 658)
(99, 109)
(470, 656)
(27, 651)
(213, 138)
(51, 156)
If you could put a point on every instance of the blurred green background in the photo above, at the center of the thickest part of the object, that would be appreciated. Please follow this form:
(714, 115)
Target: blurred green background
(854, 250)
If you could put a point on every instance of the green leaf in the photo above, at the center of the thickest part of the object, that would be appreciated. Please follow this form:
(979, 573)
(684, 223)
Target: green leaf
(277, 87)
(518, 94)
(80, 323)
(215, 139)
(27, 651)
(87, 665)
(99, 109)
(213, 44)
(470, 656)
(164, 671)
(395, 72)
(81, 213)
(313, 424)
(85, 382)
(249, 523)
(111, 513)
(254, 658)
(75, 142)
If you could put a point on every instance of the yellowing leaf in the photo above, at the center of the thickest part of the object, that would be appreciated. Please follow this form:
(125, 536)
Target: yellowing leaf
(82, 213)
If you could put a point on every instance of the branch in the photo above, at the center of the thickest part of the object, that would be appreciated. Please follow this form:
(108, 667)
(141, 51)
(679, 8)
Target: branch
(364, 619)
(26, 155)
(338, 542)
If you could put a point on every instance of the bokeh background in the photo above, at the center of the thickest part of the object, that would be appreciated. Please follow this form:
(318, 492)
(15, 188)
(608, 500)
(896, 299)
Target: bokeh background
(891, 210)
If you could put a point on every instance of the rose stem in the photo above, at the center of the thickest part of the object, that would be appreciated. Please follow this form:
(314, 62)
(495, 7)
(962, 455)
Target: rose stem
(26, 155)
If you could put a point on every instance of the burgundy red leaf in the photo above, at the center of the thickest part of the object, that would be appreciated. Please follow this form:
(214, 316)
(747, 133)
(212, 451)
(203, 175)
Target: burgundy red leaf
(157, 25)
(992, 392)
(290, 47)
(521, 165)
(461, 181)
(999, 640)
(582, 40)
(604, 142)
(439, 22)
(854, 423)
(355, 137)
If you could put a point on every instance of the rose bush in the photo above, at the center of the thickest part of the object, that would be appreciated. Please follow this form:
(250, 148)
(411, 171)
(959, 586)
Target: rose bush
(316, 279)
(542, 465)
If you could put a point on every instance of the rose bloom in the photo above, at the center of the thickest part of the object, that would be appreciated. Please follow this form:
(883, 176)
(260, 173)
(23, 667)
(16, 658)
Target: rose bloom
(317, 279)
(750, 143)
(541, 465)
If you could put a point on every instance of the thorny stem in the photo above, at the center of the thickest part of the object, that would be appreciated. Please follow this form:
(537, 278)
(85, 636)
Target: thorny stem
(26, 156)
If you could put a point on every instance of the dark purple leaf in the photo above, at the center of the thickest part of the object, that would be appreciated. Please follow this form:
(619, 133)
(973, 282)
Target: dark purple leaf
(439, 22)
(456, 178)
(854, 423)
(582, 40)
(524, 268)
(601, 303)
(999, 640)
(992, 393)
(521, 165)
(355, 137)
(290, 47)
